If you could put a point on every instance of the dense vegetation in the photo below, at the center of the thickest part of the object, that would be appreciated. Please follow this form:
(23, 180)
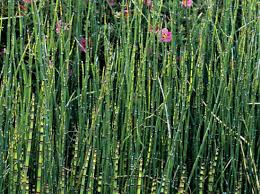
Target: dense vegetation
(104, 96)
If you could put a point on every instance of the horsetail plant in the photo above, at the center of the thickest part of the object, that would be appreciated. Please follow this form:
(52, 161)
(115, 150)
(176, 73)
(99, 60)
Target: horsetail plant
(129, 96)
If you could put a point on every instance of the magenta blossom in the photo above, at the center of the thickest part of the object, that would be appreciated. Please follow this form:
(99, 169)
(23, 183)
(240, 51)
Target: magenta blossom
(186, 3)
(165, 35)
(58, 26)
(82, 45)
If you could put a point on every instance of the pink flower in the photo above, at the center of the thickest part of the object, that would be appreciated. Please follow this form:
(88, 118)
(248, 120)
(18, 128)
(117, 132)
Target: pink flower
(27, 1)
(186, 3)
(85, 43)
(165, 36)
(82, 45)
(22, 7)
(148, 3)
(58, 26)
(126, 12)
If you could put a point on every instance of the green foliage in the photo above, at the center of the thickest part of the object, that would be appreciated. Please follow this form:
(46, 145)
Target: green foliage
(128, 113)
